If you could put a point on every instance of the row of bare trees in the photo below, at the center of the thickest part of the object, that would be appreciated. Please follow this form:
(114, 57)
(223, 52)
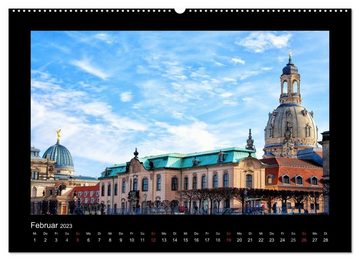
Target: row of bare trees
(215, 196)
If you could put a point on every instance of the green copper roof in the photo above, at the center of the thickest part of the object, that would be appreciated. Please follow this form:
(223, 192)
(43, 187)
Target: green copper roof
(184, 161)
(113, 171)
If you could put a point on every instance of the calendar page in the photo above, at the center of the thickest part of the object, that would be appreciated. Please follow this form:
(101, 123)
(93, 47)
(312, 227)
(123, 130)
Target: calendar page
(153, 130)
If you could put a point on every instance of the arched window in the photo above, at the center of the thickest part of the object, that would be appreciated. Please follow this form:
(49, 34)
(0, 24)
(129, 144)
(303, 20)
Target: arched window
(298, 180)
(270, 179)
(186, 183)
(102, 190)
(249, 181)
(285, 179)
(123, 185)
(296, 86)
(284, 89)
(194, 182)
(215, 181)
(135, 184)
(314, 181)
(203, 182)
(115, 189)
(34, 192)
(226, 179)
(174, 183)
(109, 190)
(145, 184)
(158, 182)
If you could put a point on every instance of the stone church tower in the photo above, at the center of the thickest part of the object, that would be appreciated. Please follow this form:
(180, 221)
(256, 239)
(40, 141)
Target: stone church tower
(290, 126)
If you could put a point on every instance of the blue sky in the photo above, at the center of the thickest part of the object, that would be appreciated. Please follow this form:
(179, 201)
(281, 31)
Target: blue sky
(166, 91)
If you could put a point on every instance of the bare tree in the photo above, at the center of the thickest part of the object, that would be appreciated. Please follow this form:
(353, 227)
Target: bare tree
(314, 198)
(189, 195)
(299, 198)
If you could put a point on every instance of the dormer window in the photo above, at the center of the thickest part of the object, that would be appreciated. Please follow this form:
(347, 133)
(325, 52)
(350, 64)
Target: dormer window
(221, 156)
(285, 179)
(151, 165)
(298, 180)
(195, 161)
(270, 179)
(314, 181)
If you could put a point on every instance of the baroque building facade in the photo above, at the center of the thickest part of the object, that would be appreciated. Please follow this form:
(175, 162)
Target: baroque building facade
(142, 182)
(52, 180)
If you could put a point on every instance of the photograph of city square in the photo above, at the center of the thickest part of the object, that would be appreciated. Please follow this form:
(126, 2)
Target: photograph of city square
(179, 123)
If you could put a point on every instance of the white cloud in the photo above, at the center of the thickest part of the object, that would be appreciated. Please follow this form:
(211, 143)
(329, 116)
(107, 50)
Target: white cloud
(230, 102)
(86, 66)
(218, 63)
(63, 49)
(126, 96)
(237, 60)
(266, 69)
(226, 94)
(228, 79)
(192, 137)
(104, 37)
(92, 130)
(104, 112)
(259, 42)
(44, 85)
(177, 115)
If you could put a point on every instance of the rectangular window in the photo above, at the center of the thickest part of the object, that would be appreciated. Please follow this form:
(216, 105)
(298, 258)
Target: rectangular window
(194, 184)
(203, 182)
(249, 181)
(123, 186)
(35, 175)
(226, 180)
(186, 183)
(174, 184)
(215, 181)
(115, 189)
(145, 184)
(158, 182)
(109, 190)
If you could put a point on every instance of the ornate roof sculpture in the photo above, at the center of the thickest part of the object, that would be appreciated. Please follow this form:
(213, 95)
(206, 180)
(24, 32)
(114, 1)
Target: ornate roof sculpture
(290, 127)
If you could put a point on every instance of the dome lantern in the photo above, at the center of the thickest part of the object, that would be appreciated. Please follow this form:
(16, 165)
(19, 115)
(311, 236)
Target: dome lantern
(290, 84)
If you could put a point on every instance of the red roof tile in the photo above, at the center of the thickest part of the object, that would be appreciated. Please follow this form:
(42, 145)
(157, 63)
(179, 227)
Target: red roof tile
(290, 162)
(86, 188)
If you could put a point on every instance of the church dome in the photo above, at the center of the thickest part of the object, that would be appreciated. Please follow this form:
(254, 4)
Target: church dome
(60, 154)
(290, 126)
(293, 123)
(62, 157)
